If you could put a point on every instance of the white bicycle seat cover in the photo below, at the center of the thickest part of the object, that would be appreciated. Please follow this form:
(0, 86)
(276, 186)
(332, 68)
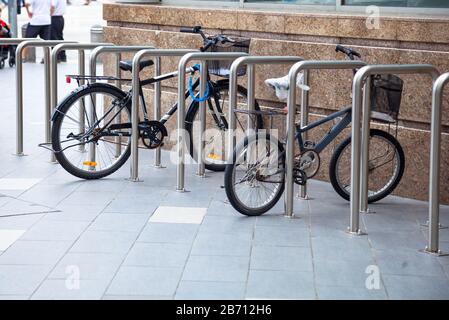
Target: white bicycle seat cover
(281, 85)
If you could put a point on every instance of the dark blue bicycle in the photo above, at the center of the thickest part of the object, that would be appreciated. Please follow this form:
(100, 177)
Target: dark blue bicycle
(99, 115)
(255, 175)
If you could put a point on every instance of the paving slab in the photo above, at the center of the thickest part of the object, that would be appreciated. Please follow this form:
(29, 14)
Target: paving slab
(207, 290)
(145, 281)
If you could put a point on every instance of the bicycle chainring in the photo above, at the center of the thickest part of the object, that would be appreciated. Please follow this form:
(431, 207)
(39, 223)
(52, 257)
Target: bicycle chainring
(152, 134)
(309, 162)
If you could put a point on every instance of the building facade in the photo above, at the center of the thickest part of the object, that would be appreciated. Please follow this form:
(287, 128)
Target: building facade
(397, 31)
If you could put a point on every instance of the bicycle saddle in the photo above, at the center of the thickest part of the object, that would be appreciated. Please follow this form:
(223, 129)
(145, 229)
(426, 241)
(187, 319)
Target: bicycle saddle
(281, 85)
(127, 65)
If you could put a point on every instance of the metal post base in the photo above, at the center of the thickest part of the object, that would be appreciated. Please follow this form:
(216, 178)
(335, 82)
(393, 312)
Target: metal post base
(368, 211)
(53, 159)
(134, 180)
(158, 166)
(306, 197)
(181, 190)
(199, 175)
(438, 253)
(440, 226)
(20, 154)
(290, 216)
(356, 233)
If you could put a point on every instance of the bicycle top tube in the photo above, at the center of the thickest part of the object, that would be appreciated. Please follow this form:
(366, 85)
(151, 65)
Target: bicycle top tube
(167, 76)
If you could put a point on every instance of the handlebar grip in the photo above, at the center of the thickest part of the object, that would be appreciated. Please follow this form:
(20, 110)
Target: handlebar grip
(356, 53)
(195, 29)
(340, 48)
(187, 30)
(348, 51)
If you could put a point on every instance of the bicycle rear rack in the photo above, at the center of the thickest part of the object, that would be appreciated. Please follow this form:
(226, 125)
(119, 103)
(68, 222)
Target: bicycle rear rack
(95, 78)
(266, 113)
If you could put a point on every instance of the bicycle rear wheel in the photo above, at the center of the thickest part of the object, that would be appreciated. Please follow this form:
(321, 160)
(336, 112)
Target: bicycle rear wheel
(254, 181)
(385, 167)
(217, 123)
(87, 138)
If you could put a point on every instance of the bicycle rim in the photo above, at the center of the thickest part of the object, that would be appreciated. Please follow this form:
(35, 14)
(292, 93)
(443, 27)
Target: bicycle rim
(86, 141)
(383, 166)
(258, 174)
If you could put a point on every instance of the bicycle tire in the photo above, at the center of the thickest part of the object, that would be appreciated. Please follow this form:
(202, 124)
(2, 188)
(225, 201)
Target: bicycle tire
(57, 121)
(371, 198)
(229, 178)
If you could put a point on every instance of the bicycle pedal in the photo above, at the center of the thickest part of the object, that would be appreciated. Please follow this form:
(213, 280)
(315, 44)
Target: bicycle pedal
(299, 177)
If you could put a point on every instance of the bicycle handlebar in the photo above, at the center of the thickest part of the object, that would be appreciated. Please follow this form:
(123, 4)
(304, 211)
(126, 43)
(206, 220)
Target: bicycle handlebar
(348, 51)
(208, 41)
(195, 29)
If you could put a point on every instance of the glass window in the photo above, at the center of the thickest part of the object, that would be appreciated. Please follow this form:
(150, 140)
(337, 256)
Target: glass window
(315, 2)
(400, 3)
(380, 3)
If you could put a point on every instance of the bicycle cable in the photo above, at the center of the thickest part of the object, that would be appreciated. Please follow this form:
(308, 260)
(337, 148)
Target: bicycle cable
(197, 98)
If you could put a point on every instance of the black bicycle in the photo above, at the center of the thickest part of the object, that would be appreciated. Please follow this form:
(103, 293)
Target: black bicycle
(255, 175)
(98, 116)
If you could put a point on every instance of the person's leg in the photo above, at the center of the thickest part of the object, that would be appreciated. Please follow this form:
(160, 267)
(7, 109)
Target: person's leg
(12, 54)
(53, 28)
(45, 32)
(57, 28)
(32, 31)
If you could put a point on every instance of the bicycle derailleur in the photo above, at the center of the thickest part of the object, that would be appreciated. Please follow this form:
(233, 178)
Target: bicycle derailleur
(299, 176)
(152, 134)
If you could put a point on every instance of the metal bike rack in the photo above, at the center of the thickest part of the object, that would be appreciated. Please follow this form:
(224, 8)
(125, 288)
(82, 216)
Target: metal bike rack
(291, 104)
(118, 50)
(202, 57)
(434, 172)
(153, 53)
(14, 41)
(80, 47)
(360, 133)
(250, 61)
(46, 45)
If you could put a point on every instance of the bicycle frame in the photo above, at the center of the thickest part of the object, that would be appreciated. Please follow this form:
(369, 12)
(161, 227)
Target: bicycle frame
(331, 135)
(222, 122)
(174, 108)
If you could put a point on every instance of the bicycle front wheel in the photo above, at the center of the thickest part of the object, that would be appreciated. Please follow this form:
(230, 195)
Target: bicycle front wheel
(254, 181)
(385, 166)
(91, 133)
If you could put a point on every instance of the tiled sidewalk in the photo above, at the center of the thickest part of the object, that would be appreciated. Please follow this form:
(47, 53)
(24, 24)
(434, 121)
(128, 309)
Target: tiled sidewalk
(126, 240)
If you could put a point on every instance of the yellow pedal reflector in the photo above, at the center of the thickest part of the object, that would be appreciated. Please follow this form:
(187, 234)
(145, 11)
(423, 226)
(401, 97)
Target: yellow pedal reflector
(214, 156)
(90, 163)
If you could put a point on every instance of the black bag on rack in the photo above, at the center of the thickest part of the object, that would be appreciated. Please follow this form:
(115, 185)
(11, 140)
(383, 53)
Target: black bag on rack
(221, 68)
(386, 96)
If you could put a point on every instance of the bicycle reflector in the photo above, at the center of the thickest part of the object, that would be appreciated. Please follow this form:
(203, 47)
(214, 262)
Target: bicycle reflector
(214, 156)
(90, 163)
(68, 79)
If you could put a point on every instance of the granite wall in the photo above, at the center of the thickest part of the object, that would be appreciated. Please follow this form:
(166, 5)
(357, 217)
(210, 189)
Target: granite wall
(312, 36)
